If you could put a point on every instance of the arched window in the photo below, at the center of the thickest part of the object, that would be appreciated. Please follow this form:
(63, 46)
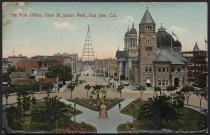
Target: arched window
(178, 69)
(166, 82)
(163, 69)
(150, 69)
(159, 69)
(146, 69)
(163, 82)
(159, 82)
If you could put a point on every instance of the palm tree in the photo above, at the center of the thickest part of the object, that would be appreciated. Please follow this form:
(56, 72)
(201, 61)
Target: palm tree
(141, 89)
(187, 92)
(51, 112)
(97, 89)
(178, 100)
(156, 89)
(71, 87)
(87, 87)
(119, 89)
(156, 109)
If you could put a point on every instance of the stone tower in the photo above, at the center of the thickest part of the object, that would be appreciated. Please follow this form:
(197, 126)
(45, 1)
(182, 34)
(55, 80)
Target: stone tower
(130, 46)
(147, 50)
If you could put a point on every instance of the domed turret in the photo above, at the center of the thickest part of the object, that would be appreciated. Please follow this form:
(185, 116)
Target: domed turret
(164, 39)
(133, 30)
(177, 44)
(127, 33)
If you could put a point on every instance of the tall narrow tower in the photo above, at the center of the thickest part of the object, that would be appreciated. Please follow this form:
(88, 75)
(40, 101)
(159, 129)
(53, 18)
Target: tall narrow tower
(88, 53)
(148, 48)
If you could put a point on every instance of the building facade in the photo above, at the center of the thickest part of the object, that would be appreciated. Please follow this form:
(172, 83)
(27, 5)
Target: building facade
(156, 60)
(197, 66)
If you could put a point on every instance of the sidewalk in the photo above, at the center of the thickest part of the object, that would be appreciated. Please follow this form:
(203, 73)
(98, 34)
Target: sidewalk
(108, 125)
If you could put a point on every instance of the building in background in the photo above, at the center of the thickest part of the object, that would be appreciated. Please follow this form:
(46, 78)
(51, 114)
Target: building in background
(197, 66)
(155, 61)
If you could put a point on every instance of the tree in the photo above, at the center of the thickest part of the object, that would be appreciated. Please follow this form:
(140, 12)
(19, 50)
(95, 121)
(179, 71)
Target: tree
(33, 87)
(203, 121)
(119, 89)
(87, 87)
(141, 89)
(47, 87)
(170, 90)
(156, 89)
(63, 72)
(156, 109)
(178, 101)
(97, 89)
(23, 99)
(51, 112)
(202, 93)
(71, 87)
(5, 77)
(187, 92)
(6, 91)
(12, 114)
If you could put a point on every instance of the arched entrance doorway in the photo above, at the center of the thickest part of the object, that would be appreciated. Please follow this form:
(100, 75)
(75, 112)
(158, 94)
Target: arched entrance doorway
(176, 82)
(148, 82)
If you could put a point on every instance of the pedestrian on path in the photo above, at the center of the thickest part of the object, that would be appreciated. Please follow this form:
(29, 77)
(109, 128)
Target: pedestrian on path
(119, 106)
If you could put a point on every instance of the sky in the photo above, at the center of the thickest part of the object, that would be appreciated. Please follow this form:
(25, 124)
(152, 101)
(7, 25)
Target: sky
(31, 35)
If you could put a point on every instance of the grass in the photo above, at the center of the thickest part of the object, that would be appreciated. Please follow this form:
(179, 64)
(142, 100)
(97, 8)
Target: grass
(29, 126)
(187, 119)
(94, 104)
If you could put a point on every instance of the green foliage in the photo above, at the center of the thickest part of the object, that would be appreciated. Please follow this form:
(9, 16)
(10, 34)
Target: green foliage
(47, 87)
(71, 87)
(178, 101)
(203, 121)
(23, 98)
(156, 89)
(6, 91)
(156, 109)
(51, 112)
(14, 69)
(97, 89)
(64, 72)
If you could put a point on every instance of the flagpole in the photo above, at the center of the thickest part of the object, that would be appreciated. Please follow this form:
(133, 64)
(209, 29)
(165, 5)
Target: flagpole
(171, 41)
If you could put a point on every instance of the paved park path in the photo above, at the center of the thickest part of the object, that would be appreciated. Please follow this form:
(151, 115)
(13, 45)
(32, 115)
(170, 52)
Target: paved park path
(108, 125)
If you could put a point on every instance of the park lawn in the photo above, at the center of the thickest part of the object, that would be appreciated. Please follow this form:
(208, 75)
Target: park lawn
(93, 104)
(187, 120)
(28, 126)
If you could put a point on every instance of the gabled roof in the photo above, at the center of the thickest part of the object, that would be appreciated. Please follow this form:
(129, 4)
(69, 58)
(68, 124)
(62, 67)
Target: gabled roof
(167, 55)
(121, 54)
(195, 47)
(19, 75)
(147, 18)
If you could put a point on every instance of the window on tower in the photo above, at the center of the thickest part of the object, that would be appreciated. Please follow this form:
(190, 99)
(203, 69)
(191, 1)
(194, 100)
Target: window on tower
(146, 69)
(148, 27)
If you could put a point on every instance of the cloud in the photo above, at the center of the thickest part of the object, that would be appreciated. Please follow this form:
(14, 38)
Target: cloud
(64, 25)
(128, 20)
(178, 29)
